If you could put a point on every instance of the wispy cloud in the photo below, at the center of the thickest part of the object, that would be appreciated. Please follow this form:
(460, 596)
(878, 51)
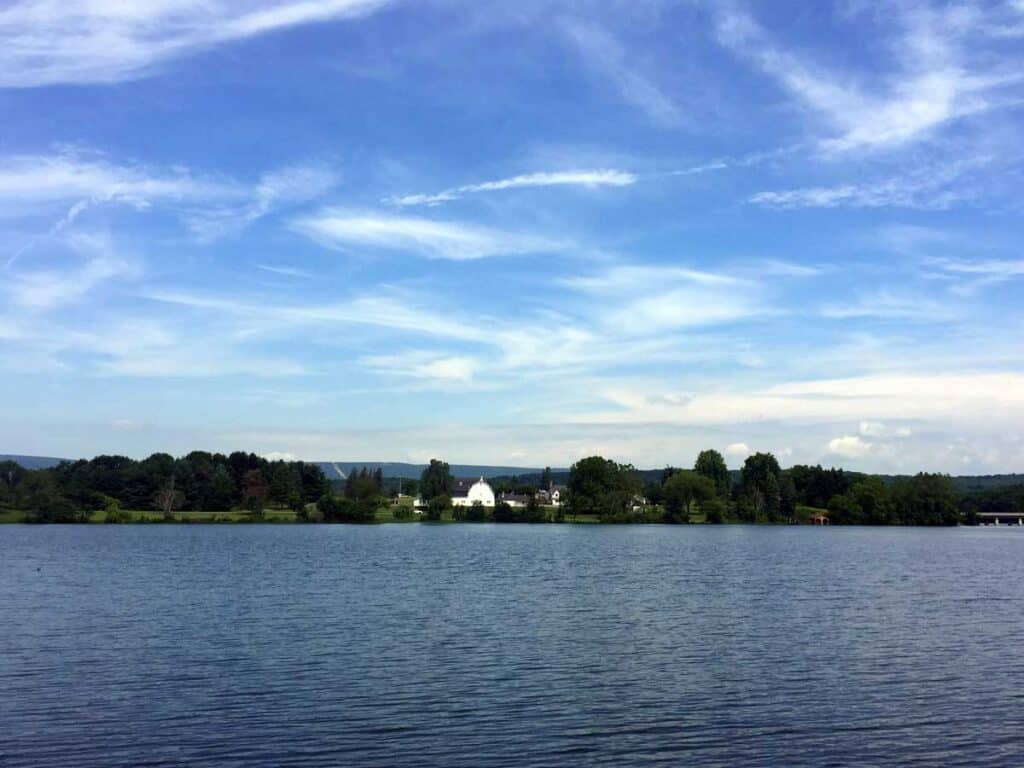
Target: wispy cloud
(97, 263)
(43, 42)
(75, 180)
(886, 305)
(639, 299)
(588, 178)
(277, 190)
(284, 271)
(336, 228)
(968, 276)
(606, 55)
(78, 175)
(931, 86)
(964, 396)
(425, 366)
(936, 186)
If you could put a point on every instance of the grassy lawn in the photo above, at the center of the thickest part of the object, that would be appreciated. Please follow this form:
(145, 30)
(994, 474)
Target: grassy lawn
(10, 515)
(234, 516)
(385, 514)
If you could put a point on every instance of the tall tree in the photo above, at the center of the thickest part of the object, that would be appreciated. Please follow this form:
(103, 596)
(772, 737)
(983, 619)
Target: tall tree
(760, 483)
(436, 480)
(169, 498)
(681, 491)
(254, 491)
(711, 465)
(600, 486)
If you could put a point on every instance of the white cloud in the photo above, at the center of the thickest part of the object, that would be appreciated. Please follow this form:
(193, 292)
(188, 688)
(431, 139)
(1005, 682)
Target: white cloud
(878, 429)
(886, 305)
(606, 55)
(644, 299)
(284, 271)
(43, 289)
(932, 84)
(966, 398)
(46, 42)
(427, 366)
(872, 428)
(280, 456)
(72, 175)
(630, 278)
(211, 206)
(849, 446)
(929, 187)
(282, 188)
(589, 179)
(427, 237)
(738, 450)
(396, 312)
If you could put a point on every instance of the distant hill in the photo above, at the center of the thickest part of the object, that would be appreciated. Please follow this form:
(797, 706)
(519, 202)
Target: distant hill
(32, 462)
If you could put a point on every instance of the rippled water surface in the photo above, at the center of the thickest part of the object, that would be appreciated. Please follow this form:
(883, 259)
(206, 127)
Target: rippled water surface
(462, 645)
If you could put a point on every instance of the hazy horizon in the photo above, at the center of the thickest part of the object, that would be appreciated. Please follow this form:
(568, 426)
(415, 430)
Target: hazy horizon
(515, 235)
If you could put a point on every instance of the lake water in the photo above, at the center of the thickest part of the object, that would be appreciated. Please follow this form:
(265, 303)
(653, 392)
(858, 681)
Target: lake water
(462, 645)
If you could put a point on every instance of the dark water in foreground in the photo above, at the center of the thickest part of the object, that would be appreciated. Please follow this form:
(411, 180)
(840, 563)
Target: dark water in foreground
(470, 645)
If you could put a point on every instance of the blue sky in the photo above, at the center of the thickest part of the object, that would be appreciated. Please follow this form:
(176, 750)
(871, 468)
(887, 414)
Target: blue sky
(515, 233)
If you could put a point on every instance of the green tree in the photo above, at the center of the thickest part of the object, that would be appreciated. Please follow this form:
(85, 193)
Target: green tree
(297, 504)
(437, 506)
(787, 497)
(254, 492)
(760, 484)
(714, 511)
(477, 513)
(221, 493)
(681, 491)
(600, 486)
(773, 499)
(872, 497)
(711, 465)
(533, 512)
(925, 499)
(843, 510)
(436, 480)
(44, 503)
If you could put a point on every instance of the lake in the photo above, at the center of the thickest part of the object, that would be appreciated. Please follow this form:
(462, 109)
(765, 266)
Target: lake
(485, 645)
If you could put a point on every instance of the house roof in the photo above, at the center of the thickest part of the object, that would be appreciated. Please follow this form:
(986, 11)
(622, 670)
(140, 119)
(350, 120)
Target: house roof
(460, 489)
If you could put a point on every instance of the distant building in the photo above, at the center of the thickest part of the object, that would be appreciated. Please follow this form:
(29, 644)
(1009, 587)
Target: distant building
(514, 499)
(466, 493)
(556, 494)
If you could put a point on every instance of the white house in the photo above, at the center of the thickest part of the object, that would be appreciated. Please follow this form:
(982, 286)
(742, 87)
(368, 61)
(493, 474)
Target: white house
(467, 493)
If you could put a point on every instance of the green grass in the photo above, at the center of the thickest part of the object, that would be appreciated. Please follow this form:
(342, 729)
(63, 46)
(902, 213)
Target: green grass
(385, 514)
(234, 516)
(11, 515)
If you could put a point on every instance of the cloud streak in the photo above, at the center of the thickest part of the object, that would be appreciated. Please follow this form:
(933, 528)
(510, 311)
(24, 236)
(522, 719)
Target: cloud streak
(44, 42)
(341, 229)
(589, 179)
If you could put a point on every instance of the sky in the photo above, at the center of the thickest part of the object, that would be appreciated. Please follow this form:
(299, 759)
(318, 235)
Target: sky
(515, 233)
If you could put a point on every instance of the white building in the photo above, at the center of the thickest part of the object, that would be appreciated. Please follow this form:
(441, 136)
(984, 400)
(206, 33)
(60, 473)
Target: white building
(467, 493)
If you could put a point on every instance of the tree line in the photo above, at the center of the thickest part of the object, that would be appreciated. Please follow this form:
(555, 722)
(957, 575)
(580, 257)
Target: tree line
(210, 482)
(597, 489)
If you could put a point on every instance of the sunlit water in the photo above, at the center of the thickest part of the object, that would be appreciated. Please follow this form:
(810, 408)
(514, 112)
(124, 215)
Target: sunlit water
(462, 645)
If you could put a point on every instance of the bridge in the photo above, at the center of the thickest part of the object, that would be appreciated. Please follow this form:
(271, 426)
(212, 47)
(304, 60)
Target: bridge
(1001, 518)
